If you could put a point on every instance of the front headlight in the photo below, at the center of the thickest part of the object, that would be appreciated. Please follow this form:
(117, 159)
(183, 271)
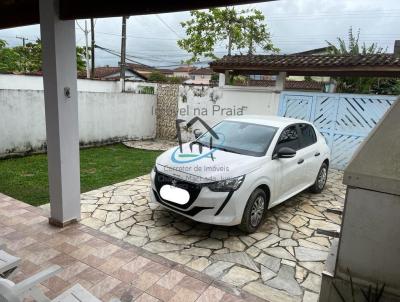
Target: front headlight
(226, 185)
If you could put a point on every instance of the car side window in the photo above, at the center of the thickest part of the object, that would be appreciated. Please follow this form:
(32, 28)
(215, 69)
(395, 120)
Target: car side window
(308, 135)
(289, 138)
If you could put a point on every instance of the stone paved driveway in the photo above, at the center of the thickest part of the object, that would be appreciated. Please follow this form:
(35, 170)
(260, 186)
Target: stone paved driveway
(283, 261)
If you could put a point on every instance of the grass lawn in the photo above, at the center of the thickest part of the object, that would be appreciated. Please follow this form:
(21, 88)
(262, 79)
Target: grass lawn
(26, 178)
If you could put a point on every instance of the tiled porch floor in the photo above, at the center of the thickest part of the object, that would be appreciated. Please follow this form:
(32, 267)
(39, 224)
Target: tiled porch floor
(283, 261)
(106, 266)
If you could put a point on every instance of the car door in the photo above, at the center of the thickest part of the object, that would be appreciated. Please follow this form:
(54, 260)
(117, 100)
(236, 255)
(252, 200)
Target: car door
(309, 153)
(288, 174)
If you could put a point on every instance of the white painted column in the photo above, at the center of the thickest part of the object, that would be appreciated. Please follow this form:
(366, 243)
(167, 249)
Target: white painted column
(61, 108)
(221, 80)
(280, 81)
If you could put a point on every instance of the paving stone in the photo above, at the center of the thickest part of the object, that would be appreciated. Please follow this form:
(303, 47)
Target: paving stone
(286, 226)
(182, 239)
(176, 257)
(210, 243)
(160, 247)
(320, 240)
(219, 234)
(100, 214)
(247, 240)
(297, 236)
(253, 251)
(123, 224)
(315, 267)
(113, 231)
(110, 207)
(182, 226)
(112, 217)
(199, 264)
(269, 294)
(300, 273)
(217, 269)
(270, 262)
(92, 223)
(288, 242)
(285, 234)
(307, 254)
(309, 209)
(126, 214)
(310, 297)
(312, 245)
(312, 282)
(239, 258)
(221, 251)
(270, 240)
(288, 262)
(259, 236)
(279, 252)
(306, 231)
(161, 232)
(86, 208)
(138, 230)
(120, 199)
(285, 281)
(234, 243)
(320, 224)
(298, 221)
(239, 276)
(197, 251)
(136, 241)
(266, 273)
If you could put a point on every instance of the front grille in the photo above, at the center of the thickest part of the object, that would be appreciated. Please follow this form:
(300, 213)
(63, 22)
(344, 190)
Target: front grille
(162, 179)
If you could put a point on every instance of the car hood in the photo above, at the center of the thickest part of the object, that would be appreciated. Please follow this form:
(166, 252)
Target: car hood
(208, 166)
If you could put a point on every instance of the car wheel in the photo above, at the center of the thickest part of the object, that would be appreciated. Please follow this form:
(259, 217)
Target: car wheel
(320, 182)
(254, 212)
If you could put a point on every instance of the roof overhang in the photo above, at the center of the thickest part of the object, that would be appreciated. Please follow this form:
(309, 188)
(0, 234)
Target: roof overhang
(15, 13)
(367, 71)
(373, 65)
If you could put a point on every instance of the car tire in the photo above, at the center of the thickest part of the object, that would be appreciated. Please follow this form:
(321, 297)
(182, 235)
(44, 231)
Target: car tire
(320, 181)
(254, 212)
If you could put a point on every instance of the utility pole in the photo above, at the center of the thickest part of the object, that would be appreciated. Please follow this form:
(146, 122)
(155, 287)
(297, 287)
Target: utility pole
(92, 47)
(23, 40)
(87, 51)
(123, 52)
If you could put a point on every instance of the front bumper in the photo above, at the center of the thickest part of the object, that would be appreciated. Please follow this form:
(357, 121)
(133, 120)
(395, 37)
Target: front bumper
(219, 208)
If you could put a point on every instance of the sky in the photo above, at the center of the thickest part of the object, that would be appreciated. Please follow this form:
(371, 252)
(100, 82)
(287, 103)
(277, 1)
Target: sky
(295, 25)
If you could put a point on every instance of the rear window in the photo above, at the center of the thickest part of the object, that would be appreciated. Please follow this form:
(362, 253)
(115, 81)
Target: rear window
(308, 134)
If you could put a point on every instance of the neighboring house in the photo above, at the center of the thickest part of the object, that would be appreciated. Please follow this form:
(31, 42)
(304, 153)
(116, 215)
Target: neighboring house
(313, 52)
(200, 76)
(113, 73)
(183, 71)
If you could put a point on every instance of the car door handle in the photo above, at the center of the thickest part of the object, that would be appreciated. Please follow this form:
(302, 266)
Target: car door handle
(300, 161)
(317, 154)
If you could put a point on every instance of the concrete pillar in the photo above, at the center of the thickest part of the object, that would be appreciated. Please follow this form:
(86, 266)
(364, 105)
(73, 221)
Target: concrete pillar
(221, 80)
(61, 108)
(280, 81)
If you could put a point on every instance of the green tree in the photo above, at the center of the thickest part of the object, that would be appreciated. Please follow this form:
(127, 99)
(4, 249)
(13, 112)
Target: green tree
(241, 30)
(361, 84)
(29, 58)
(158, 77)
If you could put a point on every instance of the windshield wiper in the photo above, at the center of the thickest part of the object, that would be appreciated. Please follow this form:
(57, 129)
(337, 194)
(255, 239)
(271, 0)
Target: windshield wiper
(227, 150)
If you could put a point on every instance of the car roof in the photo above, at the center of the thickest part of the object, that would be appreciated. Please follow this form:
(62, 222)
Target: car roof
(267, 120)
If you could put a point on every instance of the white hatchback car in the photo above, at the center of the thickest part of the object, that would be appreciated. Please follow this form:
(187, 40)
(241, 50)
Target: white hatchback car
(247, 165)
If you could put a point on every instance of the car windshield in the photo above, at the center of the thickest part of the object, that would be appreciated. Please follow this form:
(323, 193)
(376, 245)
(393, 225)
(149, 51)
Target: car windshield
(240, 137)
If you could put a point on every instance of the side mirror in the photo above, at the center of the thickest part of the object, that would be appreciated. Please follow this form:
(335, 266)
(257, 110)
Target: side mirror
(285, 152)
(197, 133)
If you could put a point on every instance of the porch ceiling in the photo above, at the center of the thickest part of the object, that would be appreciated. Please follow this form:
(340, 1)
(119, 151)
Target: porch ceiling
(15, 13)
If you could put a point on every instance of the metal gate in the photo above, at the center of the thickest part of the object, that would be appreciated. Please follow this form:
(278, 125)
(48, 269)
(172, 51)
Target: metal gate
(343, 119)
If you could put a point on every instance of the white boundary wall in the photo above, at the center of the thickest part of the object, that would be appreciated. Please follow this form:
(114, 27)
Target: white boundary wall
(104, 116)
(215, 104)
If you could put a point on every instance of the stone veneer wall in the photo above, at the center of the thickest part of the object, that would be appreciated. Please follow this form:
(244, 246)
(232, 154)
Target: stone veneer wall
(167, 111)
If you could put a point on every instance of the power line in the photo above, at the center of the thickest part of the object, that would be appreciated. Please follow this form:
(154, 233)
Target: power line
(169, 27)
